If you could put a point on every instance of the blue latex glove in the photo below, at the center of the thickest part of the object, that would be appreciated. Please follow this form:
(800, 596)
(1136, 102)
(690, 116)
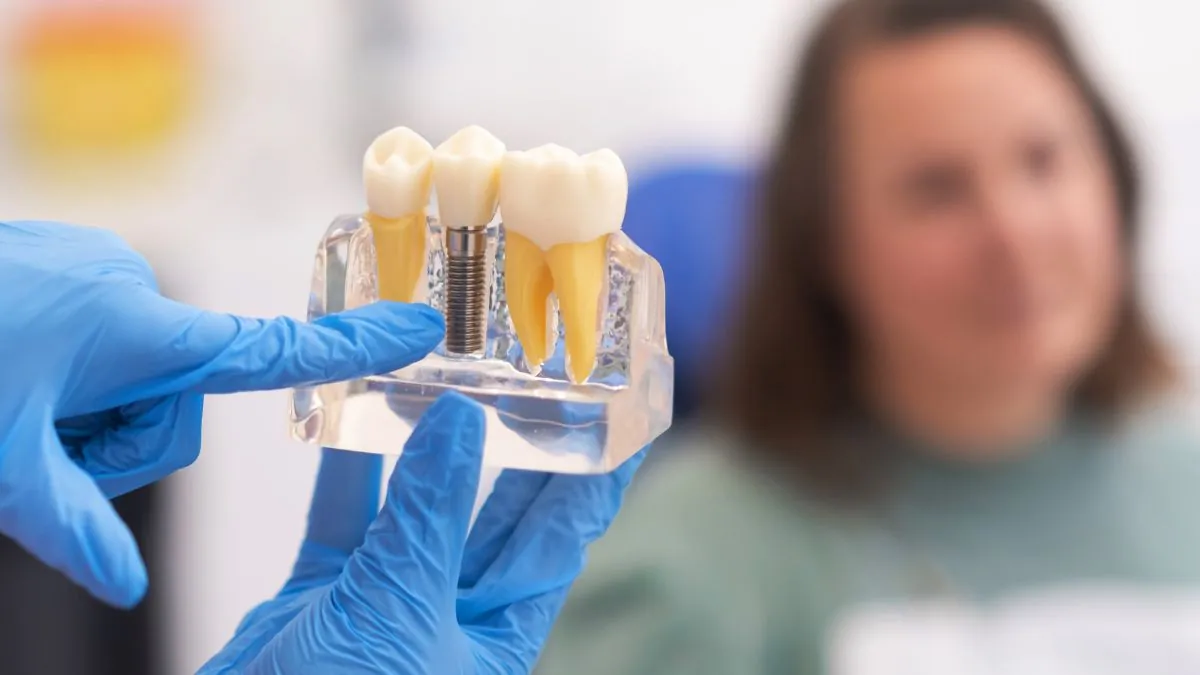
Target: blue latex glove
(101, 385)
(408, 591)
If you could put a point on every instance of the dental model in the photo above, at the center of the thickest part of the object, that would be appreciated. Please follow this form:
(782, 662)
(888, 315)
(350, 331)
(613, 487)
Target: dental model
(397, 172)
(559, 209)
(583, 406)
(466, 173)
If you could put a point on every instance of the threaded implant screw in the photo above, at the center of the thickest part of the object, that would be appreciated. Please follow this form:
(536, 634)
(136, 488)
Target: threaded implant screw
(466, 290)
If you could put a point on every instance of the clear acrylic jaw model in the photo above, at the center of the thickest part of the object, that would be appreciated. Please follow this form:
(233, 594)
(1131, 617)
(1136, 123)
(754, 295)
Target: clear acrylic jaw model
(538, 418)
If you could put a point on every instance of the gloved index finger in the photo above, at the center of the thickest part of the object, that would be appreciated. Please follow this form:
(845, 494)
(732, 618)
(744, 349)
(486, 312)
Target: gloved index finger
(545, 550)
(521, 593)
(283, 352)
(514, 493)
(418, 537)
(153, 346)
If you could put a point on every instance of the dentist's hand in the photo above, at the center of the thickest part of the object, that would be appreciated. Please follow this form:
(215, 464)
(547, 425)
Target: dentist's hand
(408, 591)
(102, 381)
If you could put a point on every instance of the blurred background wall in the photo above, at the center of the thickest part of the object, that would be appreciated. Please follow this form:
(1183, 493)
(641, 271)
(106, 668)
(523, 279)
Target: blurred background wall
(277, 101)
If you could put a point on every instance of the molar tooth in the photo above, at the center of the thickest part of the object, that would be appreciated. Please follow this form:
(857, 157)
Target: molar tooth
(558, 210)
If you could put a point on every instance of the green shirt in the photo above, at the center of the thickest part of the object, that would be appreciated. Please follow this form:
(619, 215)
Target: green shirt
(710, 568)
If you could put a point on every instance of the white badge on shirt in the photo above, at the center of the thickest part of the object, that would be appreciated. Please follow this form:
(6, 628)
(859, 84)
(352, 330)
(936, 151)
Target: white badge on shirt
(1096, 630)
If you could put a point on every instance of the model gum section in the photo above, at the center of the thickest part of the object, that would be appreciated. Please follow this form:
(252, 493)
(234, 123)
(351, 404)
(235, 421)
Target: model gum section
(558, 210)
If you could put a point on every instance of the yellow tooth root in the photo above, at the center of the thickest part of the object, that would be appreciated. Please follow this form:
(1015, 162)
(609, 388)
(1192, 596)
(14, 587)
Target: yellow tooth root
(579, 271)
(399, 254)
(527, 284)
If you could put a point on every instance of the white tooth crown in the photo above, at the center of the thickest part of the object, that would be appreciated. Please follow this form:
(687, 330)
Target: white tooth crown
(466, 174)
(397, 173)
(553, 196)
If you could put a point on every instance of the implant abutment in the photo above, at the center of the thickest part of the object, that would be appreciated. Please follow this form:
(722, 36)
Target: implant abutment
(467, 276)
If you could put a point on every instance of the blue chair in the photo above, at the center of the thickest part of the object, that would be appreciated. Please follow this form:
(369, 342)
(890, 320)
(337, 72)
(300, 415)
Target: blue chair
(694, 219)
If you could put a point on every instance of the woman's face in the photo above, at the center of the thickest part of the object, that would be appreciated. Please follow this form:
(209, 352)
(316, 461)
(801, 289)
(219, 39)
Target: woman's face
(978, 239)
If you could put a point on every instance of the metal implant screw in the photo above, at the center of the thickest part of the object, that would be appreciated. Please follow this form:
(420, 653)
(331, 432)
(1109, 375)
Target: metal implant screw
(466, 290)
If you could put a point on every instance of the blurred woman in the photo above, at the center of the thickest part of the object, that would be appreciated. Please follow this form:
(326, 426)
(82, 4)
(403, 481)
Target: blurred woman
(942, 386)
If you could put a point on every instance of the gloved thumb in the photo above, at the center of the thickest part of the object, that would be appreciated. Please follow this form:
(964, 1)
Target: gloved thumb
(54, 510)
(413, 550)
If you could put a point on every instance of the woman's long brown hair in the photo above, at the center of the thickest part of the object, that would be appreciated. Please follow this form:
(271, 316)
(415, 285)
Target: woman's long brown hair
(787, 385)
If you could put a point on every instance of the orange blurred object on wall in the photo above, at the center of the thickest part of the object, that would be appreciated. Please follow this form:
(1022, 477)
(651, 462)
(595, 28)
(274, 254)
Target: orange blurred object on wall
(101, 78)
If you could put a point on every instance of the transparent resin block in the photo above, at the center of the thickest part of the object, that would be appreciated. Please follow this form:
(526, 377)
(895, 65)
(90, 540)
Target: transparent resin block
(540, 421)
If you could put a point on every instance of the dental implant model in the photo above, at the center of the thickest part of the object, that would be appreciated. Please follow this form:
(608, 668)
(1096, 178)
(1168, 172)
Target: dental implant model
(554, 318)
(467, 173)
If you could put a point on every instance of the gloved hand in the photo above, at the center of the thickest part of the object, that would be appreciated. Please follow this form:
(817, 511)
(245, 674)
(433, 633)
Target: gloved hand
(101, 385)
(408, 591)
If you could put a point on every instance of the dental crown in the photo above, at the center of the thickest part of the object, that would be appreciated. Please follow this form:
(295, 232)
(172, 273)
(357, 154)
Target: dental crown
(553, 196)
(466, 174)
(397, 172)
